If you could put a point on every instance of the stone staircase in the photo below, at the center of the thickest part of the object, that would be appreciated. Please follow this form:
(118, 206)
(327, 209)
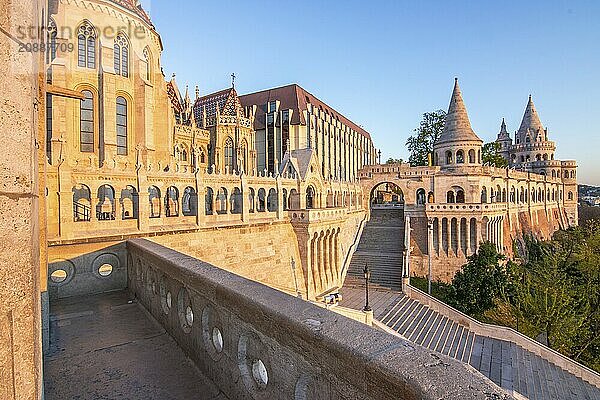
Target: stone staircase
(380, 246)
(505, 363)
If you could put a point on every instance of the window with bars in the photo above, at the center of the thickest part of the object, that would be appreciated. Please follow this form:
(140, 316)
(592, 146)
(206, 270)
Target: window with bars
(86, 122)
(121, 126)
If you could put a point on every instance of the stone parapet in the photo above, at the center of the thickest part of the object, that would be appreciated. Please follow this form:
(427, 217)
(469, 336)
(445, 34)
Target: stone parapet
(257, 343)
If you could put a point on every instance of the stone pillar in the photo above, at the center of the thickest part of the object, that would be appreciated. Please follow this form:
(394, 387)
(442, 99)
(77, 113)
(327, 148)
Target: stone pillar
(320, 263)
(327, 259)
(245, 198)
(23, 255)
(279, 198)
(458, 236)
(468, 238)
(439, 233)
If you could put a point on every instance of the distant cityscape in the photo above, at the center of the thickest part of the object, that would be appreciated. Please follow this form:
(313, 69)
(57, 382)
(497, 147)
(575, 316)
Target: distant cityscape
(589, 195)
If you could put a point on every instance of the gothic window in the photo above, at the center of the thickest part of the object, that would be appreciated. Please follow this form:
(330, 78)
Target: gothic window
(310, 197)
(86, 122)
(121, 126)
(450, 197)
(236, 201)
(121, 55)
(262, 194)
(208, 201)
(572, 174)
(460, 157)
(86, 46)
(553, 173)
(229, 154)
(484, 195)
(460, 196)
(147, 66)
(272, 200)
(430, 198)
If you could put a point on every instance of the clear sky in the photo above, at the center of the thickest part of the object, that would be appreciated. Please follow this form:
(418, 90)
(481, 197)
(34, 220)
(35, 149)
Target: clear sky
(384, 63)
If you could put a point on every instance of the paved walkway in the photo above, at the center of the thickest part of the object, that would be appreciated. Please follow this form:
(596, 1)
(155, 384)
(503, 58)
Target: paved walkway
(505, 363)
(108, 347)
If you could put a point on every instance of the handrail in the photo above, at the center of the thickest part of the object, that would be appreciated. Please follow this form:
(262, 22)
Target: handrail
(507, 334)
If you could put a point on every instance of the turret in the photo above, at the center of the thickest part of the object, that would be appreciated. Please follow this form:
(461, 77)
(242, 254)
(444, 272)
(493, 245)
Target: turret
(505, 141)
(458, 144)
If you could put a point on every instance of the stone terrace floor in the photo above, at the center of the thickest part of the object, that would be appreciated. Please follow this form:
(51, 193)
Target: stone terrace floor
(108, 347)
(506, 364)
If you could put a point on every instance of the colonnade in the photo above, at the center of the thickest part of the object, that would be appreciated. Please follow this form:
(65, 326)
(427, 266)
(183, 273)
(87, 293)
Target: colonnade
(325, 262)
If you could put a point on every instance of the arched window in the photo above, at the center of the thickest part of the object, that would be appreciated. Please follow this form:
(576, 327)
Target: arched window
(121, 55)
(460, 196)
(484, 195)
(222, 201)
(189, 202)
(513, 198)
(310, 197)
(460, 157)
(538, 157)
(154, 198)
(244, 154)
(272, 200)
(229, 154)
(81, 203)
(572, 174)
(448, 157)
(504, 195)
(208, 201)
(86, 122)
(129, 203)
(121, 126)
(147, 60)
(86, 46)
(262, 197)
(172, 202)
(421, 196)
(450, 197)
(236, 201)
(105, 209)
(251, 196)
(430, 198)
(472, 156)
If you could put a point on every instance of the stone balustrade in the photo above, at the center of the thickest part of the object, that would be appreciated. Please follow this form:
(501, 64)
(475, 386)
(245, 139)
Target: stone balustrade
(255, 342)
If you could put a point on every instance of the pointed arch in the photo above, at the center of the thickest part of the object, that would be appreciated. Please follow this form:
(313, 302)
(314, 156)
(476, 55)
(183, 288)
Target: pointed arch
(121, 55)
(86, 45)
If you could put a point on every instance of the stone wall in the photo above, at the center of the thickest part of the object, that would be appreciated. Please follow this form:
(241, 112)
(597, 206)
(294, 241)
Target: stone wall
(21, 110)
(257, 343)
(261, 253)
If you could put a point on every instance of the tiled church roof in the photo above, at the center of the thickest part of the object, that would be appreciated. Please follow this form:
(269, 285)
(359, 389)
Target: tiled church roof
(225, 101)
(295, 98)
(133, 5)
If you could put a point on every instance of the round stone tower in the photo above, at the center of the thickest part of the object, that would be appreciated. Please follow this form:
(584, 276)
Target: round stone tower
(458, 145)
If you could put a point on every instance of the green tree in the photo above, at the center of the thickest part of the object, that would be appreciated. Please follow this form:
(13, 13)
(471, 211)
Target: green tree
(480, 281)
(394, 161)
(420, 145)
(490, 154)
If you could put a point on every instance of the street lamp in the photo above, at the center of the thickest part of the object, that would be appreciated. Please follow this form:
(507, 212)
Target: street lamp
(367, 274)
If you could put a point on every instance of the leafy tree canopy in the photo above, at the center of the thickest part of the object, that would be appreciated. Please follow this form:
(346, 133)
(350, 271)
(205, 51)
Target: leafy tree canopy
(490, 154)
(420, 145)
(394, 161)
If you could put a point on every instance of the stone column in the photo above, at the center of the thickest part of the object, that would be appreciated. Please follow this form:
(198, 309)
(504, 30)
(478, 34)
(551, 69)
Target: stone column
(327, 260)
(279, 198)
(458, 236)
(468, 238)
(439, 233)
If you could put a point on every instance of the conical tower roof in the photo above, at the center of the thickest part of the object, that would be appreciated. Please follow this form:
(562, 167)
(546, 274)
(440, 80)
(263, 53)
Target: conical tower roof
(457, 127)
(531, 120)
(503, 132)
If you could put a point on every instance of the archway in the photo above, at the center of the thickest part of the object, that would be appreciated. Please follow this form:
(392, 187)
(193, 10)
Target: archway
(386, 194)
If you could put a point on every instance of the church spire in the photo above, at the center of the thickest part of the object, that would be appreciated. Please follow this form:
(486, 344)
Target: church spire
(503, 132)
(457, 126)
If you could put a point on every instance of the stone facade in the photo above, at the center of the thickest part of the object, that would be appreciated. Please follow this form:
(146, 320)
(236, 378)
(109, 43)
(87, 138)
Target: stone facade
(129, 155)
(457, 203)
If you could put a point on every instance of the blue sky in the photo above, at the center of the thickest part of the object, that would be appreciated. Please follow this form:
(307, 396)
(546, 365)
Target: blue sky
(384, 63)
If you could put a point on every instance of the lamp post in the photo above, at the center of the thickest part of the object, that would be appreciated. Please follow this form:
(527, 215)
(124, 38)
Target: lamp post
(367, 274)
(429, 249)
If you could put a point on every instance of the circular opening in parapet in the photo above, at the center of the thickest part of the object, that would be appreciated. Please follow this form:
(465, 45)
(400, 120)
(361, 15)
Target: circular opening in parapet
(217, 340)
(169, 303)
(189, 316)
(105, 270)
(259, 373)
(58, 276)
